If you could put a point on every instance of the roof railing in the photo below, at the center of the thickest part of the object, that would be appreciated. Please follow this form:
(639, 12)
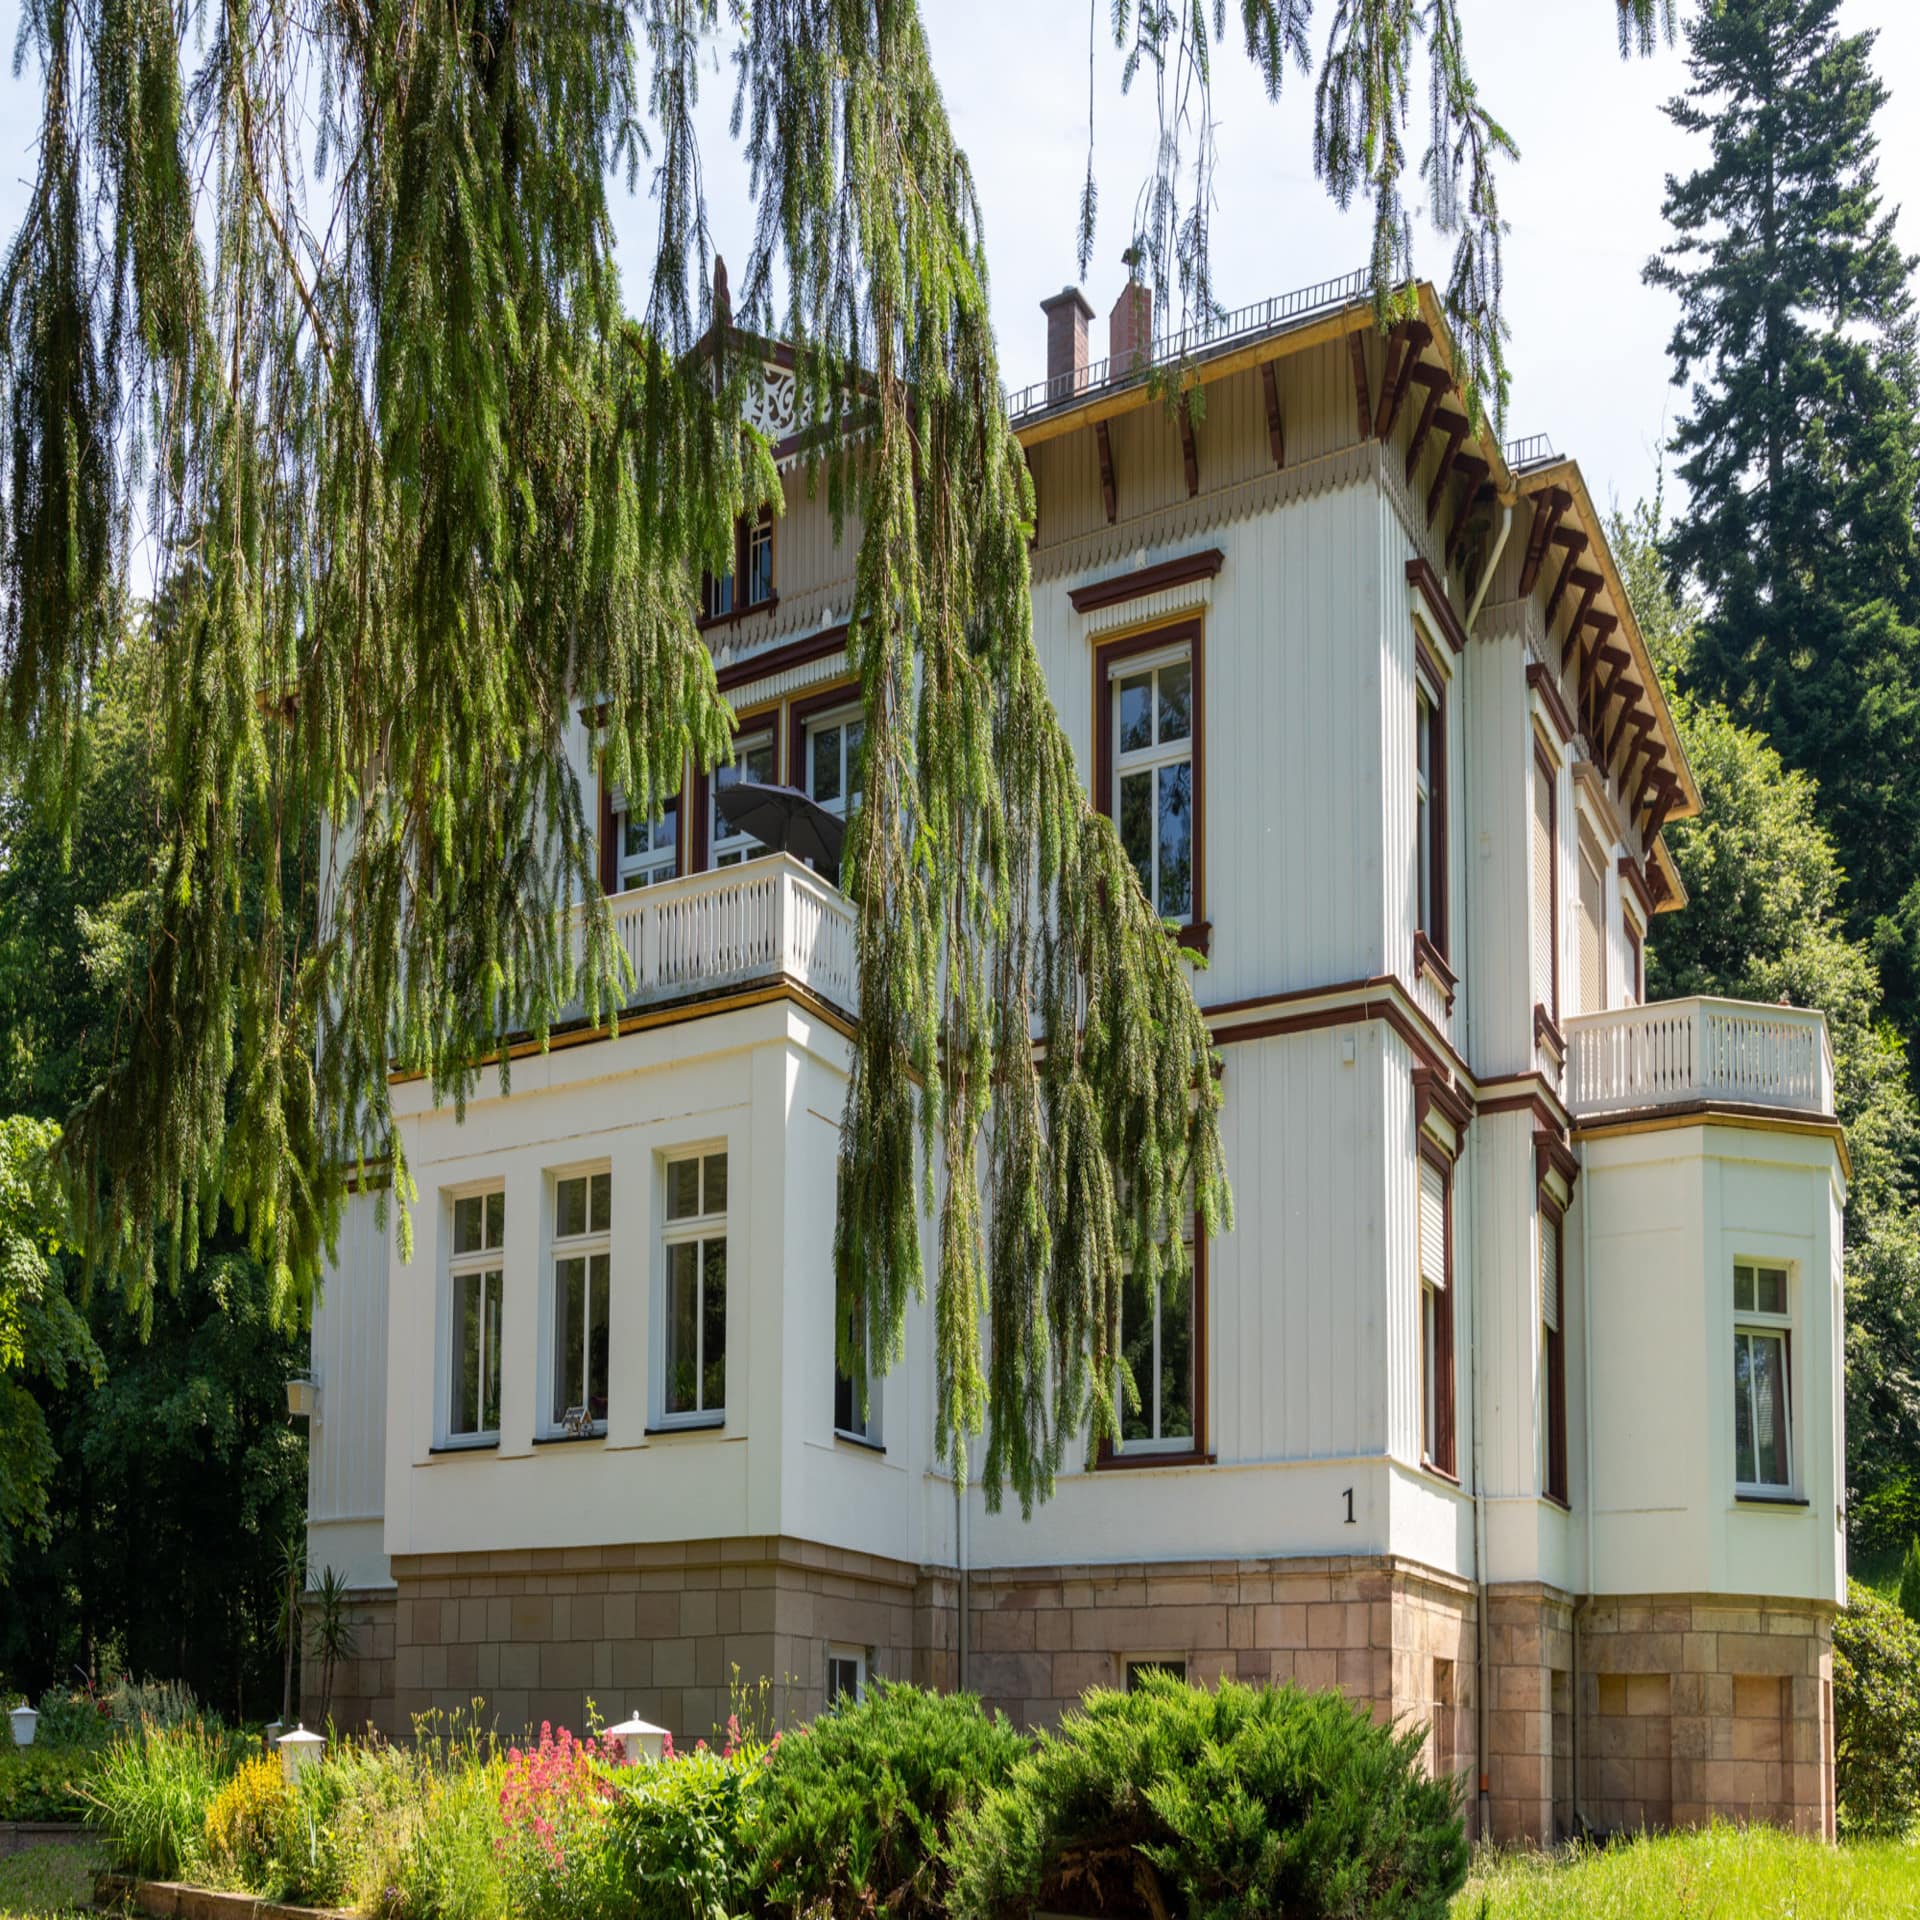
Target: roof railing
(1535, 450)
(1208, 335)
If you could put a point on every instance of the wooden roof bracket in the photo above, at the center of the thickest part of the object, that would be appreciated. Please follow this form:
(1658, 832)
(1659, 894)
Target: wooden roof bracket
(1575, 546)
(1418, 337)
(1276, 436)
(1479, 491)
(1456, 431)
(1357, 347)
(1436, 384)
(1109, 495)
(1548, 508)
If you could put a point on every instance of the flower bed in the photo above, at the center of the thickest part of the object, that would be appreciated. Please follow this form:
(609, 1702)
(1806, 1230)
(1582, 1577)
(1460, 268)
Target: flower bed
(914, 1804)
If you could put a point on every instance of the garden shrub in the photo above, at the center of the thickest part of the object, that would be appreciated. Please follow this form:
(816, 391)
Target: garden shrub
(444, 1862)
(42, 1783)
(1240, 1802)
(148, 1795)
(857, 1808)
(1876, 1715)
(554, 1803)
(683, 1835)
(73, 1717)
(346, 1823)
(244, 1821)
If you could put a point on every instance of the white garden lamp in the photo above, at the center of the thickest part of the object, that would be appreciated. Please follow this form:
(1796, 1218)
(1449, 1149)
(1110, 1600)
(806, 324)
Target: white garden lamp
(24, 1721)
(641, 1739)
(297, 1749)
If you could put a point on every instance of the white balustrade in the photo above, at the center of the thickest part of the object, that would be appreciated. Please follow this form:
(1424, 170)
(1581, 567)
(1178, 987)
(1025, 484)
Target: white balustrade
(1676, 1052)
(759, 920)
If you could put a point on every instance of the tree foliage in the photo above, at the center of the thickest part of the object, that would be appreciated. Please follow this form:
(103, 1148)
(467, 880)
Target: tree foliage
(1800, 447)
(1876, 1715)
(311, 339)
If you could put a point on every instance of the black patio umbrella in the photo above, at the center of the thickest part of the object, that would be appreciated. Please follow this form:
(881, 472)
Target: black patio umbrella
(785, 819)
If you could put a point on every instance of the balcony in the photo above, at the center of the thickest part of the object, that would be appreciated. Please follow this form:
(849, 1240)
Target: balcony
(1681, 1053)
(765, 920)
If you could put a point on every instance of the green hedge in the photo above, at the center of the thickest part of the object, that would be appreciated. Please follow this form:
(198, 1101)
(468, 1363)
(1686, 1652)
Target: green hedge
(42, 1783)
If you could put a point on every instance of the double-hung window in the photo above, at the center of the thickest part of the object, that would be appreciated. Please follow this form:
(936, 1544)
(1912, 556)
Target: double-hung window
(850, 1419)
(1593, 924)
(582, 1258)
(694, 1388)
(833, 760)
(1430, 801)
(1762, 1376)
(1158, 1320)
(648, 850)
(1436, 1315)
(748, 582)
(1153, 775)
(756, 540)
(1553, 1359)
(1546, 885)
(476, 1277)
(753, 759)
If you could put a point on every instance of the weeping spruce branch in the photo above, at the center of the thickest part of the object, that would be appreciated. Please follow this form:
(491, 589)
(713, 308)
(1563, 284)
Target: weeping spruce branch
(321, 404)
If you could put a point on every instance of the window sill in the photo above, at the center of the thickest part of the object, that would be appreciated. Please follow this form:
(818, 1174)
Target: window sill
(465, 1446)
(713, 623)
(1429, 960)
(1547, 1035)
(687, 1426)
(1558, 1501)
(569, 1439)
(1139, 1462)
(1196, 937)
(1440, 1473)
(843, 1438)
(1792, 1502)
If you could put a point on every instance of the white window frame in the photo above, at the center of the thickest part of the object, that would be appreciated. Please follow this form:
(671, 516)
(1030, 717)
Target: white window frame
(577, 1246)
(1151, 758)
(757, 525)
(1176, 1664)
(817, 723)
(1590, 849)
(655, 862)
(694, 1229)
(726, 846)
(1177, 1443)
(455, 1268)
(844, 1656)
(872, 1433)
(1752, 1323)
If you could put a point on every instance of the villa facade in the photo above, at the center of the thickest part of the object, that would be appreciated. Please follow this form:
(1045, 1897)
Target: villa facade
(1511, 1404)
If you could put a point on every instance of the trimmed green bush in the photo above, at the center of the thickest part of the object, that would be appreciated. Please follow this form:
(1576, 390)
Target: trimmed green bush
(1246, 1801)
(1876, 1715)
(858, 1807)
(682, 1837)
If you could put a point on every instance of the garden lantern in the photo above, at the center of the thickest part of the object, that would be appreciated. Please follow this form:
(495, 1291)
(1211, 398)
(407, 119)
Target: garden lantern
(24, 1722)
(641, 1738)
(297, 1749)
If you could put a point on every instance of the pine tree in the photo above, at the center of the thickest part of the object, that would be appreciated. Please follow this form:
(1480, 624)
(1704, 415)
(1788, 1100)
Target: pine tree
(1801, 444)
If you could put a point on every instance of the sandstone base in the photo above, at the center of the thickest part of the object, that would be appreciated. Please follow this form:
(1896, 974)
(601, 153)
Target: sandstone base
(363, 1686)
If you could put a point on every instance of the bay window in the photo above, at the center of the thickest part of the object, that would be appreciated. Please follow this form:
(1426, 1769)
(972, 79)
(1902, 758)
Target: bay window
(694, 1349)
(582, 1257)
(1762, 1380)
(476, 1284)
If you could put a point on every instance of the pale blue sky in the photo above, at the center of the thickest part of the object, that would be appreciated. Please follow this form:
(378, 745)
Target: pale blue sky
(1589, 341)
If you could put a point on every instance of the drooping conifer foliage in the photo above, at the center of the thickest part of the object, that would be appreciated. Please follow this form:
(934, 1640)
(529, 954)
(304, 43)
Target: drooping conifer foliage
(315, 359)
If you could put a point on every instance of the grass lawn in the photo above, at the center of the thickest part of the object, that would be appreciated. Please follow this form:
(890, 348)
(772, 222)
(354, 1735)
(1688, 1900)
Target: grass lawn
(49, 1880)
(1726, 1873)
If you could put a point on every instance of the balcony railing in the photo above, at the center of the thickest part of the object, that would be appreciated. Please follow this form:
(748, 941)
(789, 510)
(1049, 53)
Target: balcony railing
(762, 920)
(1677, 1052)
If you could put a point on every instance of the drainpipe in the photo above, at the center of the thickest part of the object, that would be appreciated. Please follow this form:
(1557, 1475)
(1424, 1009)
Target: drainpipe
(1493, 561)
(1482, 1654)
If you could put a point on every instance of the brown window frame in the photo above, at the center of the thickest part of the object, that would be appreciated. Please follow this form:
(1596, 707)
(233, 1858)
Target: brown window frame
(1197, 933)
(1545, 769)
(1443, 1457)
(1428, 676)
(1554, 1384)
(1198, 1455)
(743, 527)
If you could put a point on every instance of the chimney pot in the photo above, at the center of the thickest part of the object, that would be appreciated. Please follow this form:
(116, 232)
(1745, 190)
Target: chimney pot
(1068, 316)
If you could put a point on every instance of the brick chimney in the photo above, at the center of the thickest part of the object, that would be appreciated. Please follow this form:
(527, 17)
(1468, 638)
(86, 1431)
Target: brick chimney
(1067, 317)
(1130, 330)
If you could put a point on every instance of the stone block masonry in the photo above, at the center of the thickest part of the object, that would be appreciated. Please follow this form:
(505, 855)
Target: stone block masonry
(658, 1630)
(363, 1689)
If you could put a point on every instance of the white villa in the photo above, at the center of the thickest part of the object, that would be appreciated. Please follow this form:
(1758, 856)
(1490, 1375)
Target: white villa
(1512, 1403)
